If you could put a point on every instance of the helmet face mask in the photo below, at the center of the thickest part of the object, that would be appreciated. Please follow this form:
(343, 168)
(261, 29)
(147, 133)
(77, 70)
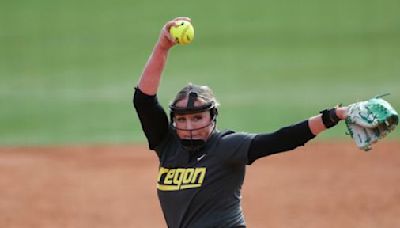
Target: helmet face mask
(189, 142)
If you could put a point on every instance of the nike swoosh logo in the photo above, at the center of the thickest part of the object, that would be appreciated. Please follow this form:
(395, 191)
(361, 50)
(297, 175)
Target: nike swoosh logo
(201, 157)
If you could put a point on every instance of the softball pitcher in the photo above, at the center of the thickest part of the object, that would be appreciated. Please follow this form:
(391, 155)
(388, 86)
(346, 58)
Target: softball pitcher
(202, 169)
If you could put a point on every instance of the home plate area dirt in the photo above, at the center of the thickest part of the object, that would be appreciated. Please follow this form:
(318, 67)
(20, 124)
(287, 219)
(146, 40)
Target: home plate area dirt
(324, 184)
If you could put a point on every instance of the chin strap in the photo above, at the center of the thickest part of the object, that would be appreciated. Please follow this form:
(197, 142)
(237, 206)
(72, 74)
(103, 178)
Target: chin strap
(193, 145)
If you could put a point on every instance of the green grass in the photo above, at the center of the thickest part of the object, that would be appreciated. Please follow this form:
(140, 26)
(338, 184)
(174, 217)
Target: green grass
(68, 68)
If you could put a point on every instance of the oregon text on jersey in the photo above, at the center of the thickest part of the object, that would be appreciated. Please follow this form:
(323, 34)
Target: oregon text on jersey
(180, 178)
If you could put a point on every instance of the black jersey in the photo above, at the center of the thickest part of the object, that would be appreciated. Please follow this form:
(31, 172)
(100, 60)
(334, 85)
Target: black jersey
(202, 189)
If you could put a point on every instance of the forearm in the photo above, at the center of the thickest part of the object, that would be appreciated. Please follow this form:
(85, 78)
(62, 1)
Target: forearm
(151, 75)
(316, 124)
(290, 137)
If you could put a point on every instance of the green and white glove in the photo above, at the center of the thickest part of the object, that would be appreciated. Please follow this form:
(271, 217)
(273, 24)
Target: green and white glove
(369, 121)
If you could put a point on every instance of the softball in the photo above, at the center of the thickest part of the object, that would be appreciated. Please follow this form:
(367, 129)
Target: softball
(183, 32)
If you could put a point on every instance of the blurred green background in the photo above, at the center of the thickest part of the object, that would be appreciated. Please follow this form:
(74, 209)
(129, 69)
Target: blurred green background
(68, 68)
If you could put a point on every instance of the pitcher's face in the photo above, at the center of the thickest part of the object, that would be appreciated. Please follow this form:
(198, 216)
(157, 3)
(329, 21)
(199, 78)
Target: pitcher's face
(194, 125)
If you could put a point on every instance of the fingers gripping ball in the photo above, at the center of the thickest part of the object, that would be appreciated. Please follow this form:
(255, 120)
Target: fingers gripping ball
(183, 32)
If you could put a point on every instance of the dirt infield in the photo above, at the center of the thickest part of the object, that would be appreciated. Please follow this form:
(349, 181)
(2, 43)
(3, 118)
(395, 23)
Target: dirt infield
(320, 185)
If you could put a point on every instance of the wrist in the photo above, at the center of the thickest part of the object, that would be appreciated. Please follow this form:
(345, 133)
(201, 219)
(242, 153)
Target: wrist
(162, 46)
(330, 117)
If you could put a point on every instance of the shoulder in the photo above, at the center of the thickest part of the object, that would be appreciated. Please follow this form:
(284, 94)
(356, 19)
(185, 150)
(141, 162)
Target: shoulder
(230, 135)
(232, 146)
(233, 140)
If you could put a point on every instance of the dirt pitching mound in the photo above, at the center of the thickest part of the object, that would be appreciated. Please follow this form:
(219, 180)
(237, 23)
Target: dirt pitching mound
(320, 185)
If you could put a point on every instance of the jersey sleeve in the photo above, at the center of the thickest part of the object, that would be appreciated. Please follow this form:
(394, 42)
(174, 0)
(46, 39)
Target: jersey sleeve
(284, 139)
(152, 117)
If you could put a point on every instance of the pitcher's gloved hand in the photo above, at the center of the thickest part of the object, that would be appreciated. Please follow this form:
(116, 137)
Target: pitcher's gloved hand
(369, 121)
